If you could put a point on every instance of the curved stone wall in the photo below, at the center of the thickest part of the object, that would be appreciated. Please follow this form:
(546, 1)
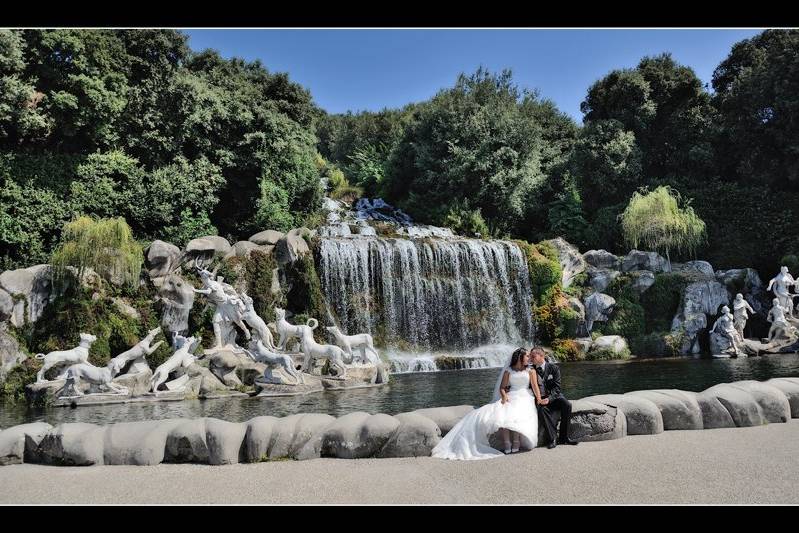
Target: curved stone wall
(358, 435)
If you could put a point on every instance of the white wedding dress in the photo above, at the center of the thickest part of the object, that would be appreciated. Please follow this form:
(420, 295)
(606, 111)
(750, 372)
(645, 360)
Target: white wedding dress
(469, 439)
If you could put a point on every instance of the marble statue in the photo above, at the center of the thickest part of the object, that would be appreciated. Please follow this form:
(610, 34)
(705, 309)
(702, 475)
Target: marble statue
(136, 355)
(288, 331)
(94, 375)
(725, 326)
(228, 309)
(782, 283)
(779, 323)
(181, 358)
(313, 350)
(363, 341)
(740, 308)
(256, 322)
(262, 354)
(79, 354)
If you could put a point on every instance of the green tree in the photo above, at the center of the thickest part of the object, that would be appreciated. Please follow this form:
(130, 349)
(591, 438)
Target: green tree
(657, 221)
(106, 246)
(757, 97)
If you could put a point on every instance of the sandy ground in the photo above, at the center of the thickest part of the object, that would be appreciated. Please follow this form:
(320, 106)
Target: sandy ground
(741, 465)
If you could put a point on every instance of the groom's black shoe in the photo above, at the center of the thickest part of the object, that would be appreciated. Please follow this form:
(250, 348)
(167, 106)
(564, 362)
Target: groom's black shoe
(569, 441)
(551, 445)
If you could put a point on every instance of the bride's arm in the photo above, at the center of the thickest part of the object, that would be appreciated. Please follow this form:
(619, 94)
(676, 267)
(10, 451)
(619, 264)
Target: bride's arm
(534, 383)
(502, 393)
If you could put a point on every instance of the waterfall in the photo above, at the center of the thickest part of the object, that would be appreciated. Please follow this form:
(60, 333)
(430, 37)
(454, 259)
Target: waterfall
(423, 294)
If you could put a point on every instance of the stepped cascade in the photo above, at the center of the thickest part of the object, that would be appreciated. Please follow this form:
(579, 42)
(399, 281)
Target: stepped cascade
(428, 293)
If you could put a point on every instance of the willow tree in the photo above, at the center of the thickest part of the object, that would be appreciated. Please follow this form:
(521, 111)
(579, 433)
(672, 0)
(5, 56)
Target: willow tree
(104, 245)
(659, 220)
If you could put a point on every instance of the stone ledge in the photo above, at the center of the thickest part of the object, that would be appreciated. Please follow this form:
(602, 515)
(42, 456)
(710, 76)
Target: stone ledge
(359, 434)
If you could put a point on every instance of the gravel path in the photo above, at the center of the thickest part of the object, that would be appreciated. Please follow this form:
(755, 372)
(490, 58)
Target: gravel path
(741, 465)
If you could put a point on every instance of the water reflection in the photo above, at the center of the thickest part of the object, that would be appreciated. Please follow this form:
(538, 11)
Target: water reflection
(407, 392)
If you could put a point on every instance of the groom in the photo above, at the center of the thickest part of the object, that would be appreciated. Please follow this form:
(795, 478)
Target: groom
(551, 399)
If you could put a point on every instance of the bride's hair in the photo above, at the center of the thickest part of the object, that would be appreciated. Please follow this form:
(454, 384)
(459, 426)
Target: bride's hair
(517, 356)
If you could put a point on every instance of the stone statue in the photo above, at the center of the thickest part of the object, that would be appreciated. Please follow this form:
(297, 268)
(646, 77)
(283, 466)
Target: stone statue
(288, 331)
(181, 358)
(782, 283)
(136, 355)
(363, 341)
(725, 326)
(263, 355)
(779, 323)
(79, 354)
(228, 309)
(257, 323)
(313, 350)
(740, 308)
(94, 375)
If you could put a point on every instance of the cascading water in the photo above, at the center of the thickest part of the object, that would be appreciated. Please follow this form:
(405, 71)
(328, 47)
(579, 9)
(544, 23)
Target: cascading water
(428, 294)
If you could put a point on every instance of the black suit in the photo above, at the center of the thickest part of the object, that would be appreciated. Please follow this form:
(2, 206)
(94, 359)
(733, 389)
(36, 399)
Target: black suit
(549, 385)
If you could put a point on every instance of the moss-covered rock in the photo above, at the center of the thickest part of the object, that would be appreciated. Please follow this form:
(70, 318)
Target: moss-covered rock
(662, 300)
(628, 320)
(657, 344)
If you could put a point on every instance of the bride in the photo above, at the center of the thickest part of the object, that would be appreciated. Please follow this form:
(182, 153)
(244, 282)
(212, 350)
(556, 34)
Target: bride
(513, 411)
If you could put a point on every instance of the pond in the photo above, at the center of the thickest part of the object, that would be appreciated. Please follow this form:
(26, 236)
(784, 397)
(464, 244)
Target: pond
(407, 392)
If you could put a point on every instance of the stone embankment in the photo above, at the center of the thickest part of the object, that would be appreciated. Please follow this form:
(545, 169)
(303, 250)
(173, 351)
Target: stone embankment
(360, 435)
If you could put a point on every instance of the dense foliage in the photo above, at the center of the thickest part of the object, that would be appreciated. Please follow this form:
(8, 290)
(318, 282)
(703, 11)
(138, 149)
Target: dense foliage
(132, 123)
(185, 143)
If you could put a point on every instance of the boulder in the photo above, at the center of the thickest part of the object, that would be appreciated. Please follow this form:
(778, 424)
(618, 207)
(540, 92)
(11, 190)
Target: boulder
(643, 416)
(177, 297)
(679, 409)
(791, 391)
(283, 435)
(225, 441)
(210, 244)
(773, 403)
(138, 383)
(593, 421)
(243, 249)
(202, 381)
(714, 413)
(615, 344)
(161, 258)
(695, 269)
(445, 417)
(358, 434)
(308, 436)
(415, 436)
(639, 260)
(6, 305)
(73, 444)
(601, 278)
(10, 353)
(13, 441)
(739, 403)
(31, 290)
(269, 237)
(258, 437)
(292, 246)
(598, 308)
(642, 280)
(570, 259)
(699, 299)
(125, 308)
(137, 443)
(186, 443)
(602, 259)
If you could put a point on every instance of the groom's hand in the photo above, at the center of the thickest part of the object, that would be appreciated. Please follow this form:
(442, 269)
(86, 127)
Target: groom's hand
(543, 401)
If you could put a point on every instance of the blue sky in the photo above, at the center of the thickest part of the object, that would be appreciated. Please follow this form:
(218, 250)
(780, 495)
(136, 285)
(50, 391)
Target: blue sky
(354, 70)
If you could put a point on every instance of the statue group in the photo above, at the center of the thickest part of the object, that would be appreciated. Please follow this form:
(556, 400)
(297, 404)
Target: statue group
(233, 312)
(727, 334)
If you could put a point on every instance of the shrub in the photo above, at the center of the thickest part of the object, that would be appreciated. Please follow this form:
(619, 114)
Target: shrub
(607, 355)
(627, 320)
(106, 246)
(18, 378)
(661, 301)
(656, 344)
(567, 350)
